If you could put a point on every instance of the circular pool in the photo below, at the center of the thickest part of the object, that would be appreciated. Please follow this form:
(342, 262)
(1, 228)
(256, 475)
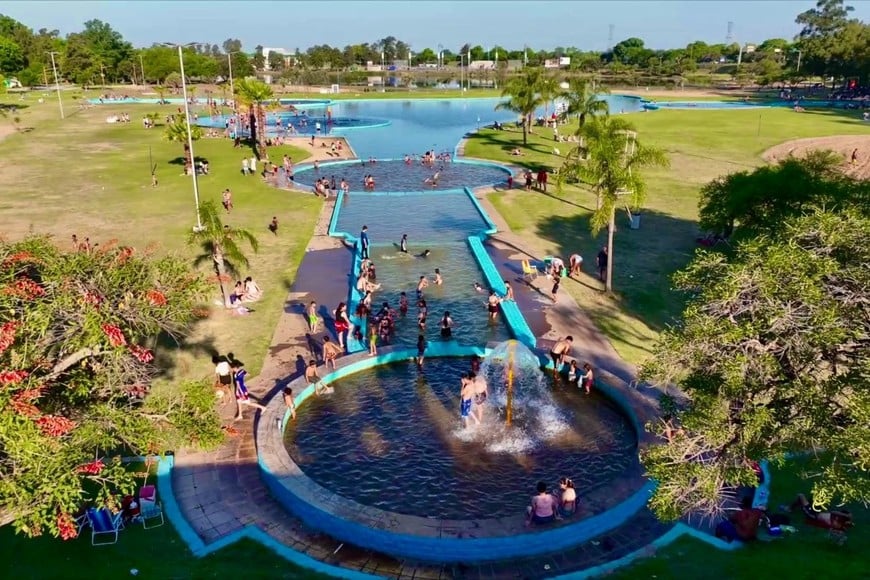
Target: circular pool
(396, 175)
(390, 438)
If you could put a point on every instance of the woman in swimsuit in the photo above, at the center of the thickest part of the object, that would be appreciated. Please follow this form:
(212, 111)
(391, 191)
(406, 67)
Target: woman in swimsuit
(446, 325)
(492, 305)
(543, 507)
(342, 323)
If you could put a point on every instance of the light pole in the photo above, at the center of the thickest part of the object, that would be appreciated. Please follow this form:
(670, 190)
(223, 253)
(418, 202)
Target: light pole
(56, 84)
(440, 55)
(233, 88)
(142, 69)
(800, 54)
(189, 132)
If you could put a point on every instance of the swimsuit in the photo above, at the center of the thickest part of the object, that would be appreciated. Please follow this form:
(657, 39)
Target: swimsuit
(312, 319)
(493, 308)
(465, 408)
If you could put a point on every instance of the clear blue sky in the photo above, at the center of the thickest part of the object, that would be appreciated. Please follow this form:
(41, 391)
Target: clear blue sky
(426, 23)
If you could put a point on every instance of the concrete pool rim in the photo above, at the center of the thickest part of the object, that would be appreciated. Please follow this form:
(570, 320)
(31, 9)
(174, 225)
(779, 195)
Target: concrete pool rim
(425, 539)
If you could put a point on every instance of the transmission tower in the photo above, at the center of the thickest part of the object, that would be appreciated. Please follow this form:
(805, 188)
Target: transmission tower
(729, 38)
(610, 37)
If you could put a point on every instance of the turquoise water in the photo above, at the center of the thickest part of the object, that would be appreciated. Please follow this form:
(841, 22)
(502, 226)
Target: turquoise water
(302, 124)
(398, 176)
(390, 437)
(398, 272)
(427, 218)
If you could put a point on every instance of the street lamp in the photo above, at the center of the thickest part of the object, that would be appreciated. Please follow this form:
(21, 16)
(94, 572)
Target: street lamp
(56, 83)
(233, 88)
(800, 54)
(198, 227)
(142, 69)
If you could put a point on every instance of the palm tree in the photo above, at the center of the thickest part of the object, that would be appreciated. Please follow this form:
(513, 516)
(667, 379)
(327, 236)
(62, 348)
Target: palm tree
(582, 101)
(609, 160)
(176, 132)
(220, 244)
(524, 97)
(252, 94)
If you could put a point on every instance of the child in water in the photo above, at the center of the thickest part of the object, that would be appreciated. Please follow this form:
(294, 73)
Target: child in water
(403, 304)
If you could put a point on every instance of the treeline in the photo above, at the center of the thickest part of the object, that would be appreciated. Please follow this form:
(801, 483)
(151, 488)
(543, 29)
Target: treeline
(830, 44)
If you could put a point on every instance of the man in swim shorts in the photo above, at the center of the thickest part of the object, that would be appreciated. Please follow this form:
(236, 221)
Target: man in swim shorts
(313, 379)
(560, 350)
(466, 399)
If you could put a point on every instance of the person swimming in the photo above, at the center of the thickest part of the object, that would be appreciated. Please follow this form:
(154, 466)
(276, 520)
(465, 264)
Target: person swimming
(423, 254)
(478, 287)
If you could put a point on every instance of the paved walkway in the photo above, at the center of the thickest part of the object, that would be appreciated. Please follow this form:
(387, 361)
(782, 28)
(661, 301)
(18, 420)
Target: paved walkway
(221, 492)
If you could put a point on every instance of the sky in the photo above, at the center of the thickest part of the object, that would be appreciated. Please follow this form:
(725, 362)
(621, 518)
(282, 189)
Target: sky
(427, 23)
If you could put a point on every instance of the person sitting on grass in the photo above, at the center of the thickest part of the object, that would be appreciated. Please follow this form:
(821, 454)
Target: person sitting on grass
(839, 520)
(252, 291)
(742, 525)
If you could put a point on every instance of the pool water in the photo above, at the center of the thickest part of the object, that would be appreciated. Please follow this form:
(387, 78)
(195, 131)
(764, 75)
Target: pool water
(302, 124)
(397, 176)
(427, 218)
(719, 105)
(390, 437)
(398, 272)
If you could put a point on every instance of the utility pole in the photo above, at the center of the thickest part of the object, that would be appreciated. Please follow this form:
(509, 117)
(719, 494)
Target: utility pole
(103, 75)
(142, 69)
(57, 84)
(233, 89)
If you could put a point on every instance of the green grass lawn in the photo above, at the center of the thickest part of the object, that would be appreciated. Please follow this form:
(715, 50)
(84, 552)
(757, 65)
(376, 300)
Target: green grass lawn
(87, 177)
(155, 553)
(808, 554)
(701, 145)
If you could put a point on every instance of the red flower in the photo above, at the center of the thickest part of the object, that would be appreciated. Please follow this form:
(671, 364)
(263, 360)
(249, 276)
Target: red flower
(66, 526)
(22, 402)
(141, 354)
(7, 335)
(92, 298)
(18, 257)
(12, 377)
(156, 298)
(25, 288)
(114, 334)
(55, 425)
(92, 468)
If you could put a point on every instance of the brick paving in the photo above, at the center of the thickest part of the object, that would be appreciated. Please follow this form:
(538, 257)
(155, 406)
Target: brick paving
(219, 493)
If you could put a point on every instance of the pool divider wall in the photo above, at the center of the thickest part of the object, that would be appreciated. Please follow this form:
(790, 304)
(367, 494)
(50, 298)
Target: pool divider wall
(354, 295)
(369, 528)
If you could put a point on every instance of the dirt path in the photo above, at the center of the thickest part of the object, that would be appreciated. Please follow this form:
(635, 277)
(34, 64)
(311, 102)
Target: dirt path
(842, 145)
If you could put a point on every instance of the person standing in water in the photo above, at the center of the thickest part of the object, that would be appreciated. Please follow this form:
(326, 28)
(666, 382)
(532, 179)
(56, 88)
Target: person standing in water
(492, 304)
(403, 244)
(446, 325)
(560, 350)
(438, 279)
(421, 349)
(422, 284)
(480, 394)
(588, 378)
(466, 399)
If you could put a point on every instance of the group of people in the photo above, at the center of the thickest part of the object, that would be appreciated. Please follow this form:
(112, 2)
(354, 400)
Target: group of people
(581, 377)
(245, 291)
(472, 394)
(546, 507)
(230, 377)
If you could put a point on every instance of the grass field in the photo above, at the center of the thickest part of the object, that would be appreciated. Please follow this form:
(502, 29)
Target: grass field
(807, 555)
(701, 145)
(87, 177)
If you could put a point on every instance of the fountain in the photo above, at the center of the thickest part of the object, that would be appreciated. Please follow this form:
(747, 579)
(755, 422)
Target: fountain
(511, 355)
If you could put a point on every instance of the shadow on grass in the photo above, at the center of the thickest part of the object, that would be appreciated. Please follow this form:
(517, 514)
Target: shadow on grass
(849, 116)
(643, 263)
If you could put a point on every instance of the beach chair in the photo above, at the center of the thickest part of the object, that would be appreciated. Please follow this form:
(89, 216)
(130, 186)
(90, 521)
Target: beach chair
(150, 509)
(529, 271)
(104, 523)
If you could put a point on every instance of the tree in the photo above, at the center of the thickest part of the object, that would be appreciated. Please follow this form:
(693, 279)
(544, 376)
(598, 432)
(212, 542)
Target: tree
(78, 63)
(176, 132)
(757, 202)
(77, 388)
(821, 26)
(582, 101)
(523, 97)
(253, 94)
(772, 355)
(275, 61)
(107, 45)
(11, 56)
(549, 88)
(629, 51)
(232, 45)
(259, 59)
(221, 244)
(609, 157)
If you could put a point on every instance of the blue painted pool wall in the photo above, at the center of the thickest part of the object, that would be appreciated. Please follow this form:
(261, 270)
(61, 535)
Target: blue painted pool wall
(354, 295)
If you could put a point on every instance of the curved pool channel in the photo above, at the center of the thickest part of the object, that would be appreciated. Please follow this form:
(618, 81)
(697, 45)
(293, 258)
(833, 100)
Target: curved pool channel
(383, 461)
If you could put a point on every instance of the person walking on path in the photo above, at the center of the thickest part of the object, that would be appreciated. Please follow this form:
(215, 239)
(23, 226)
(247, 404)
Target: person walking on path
(242, 396)
(342, 323)
(364, 243)
(273, 225)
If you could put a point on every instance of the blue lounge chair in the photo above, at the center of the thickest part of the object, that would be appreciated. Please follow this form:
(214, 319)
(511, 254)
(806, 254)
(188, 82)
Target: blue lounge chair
(104, 523)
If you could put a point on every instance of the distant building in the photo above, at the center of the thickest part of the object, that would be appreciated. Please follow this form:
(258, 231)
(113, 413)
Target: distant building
(289, 56)
(481, 65)
(561, 62)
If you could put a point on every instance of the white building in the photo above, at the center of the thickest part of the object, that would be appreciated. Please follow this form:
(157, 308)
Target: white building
(287, 54)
